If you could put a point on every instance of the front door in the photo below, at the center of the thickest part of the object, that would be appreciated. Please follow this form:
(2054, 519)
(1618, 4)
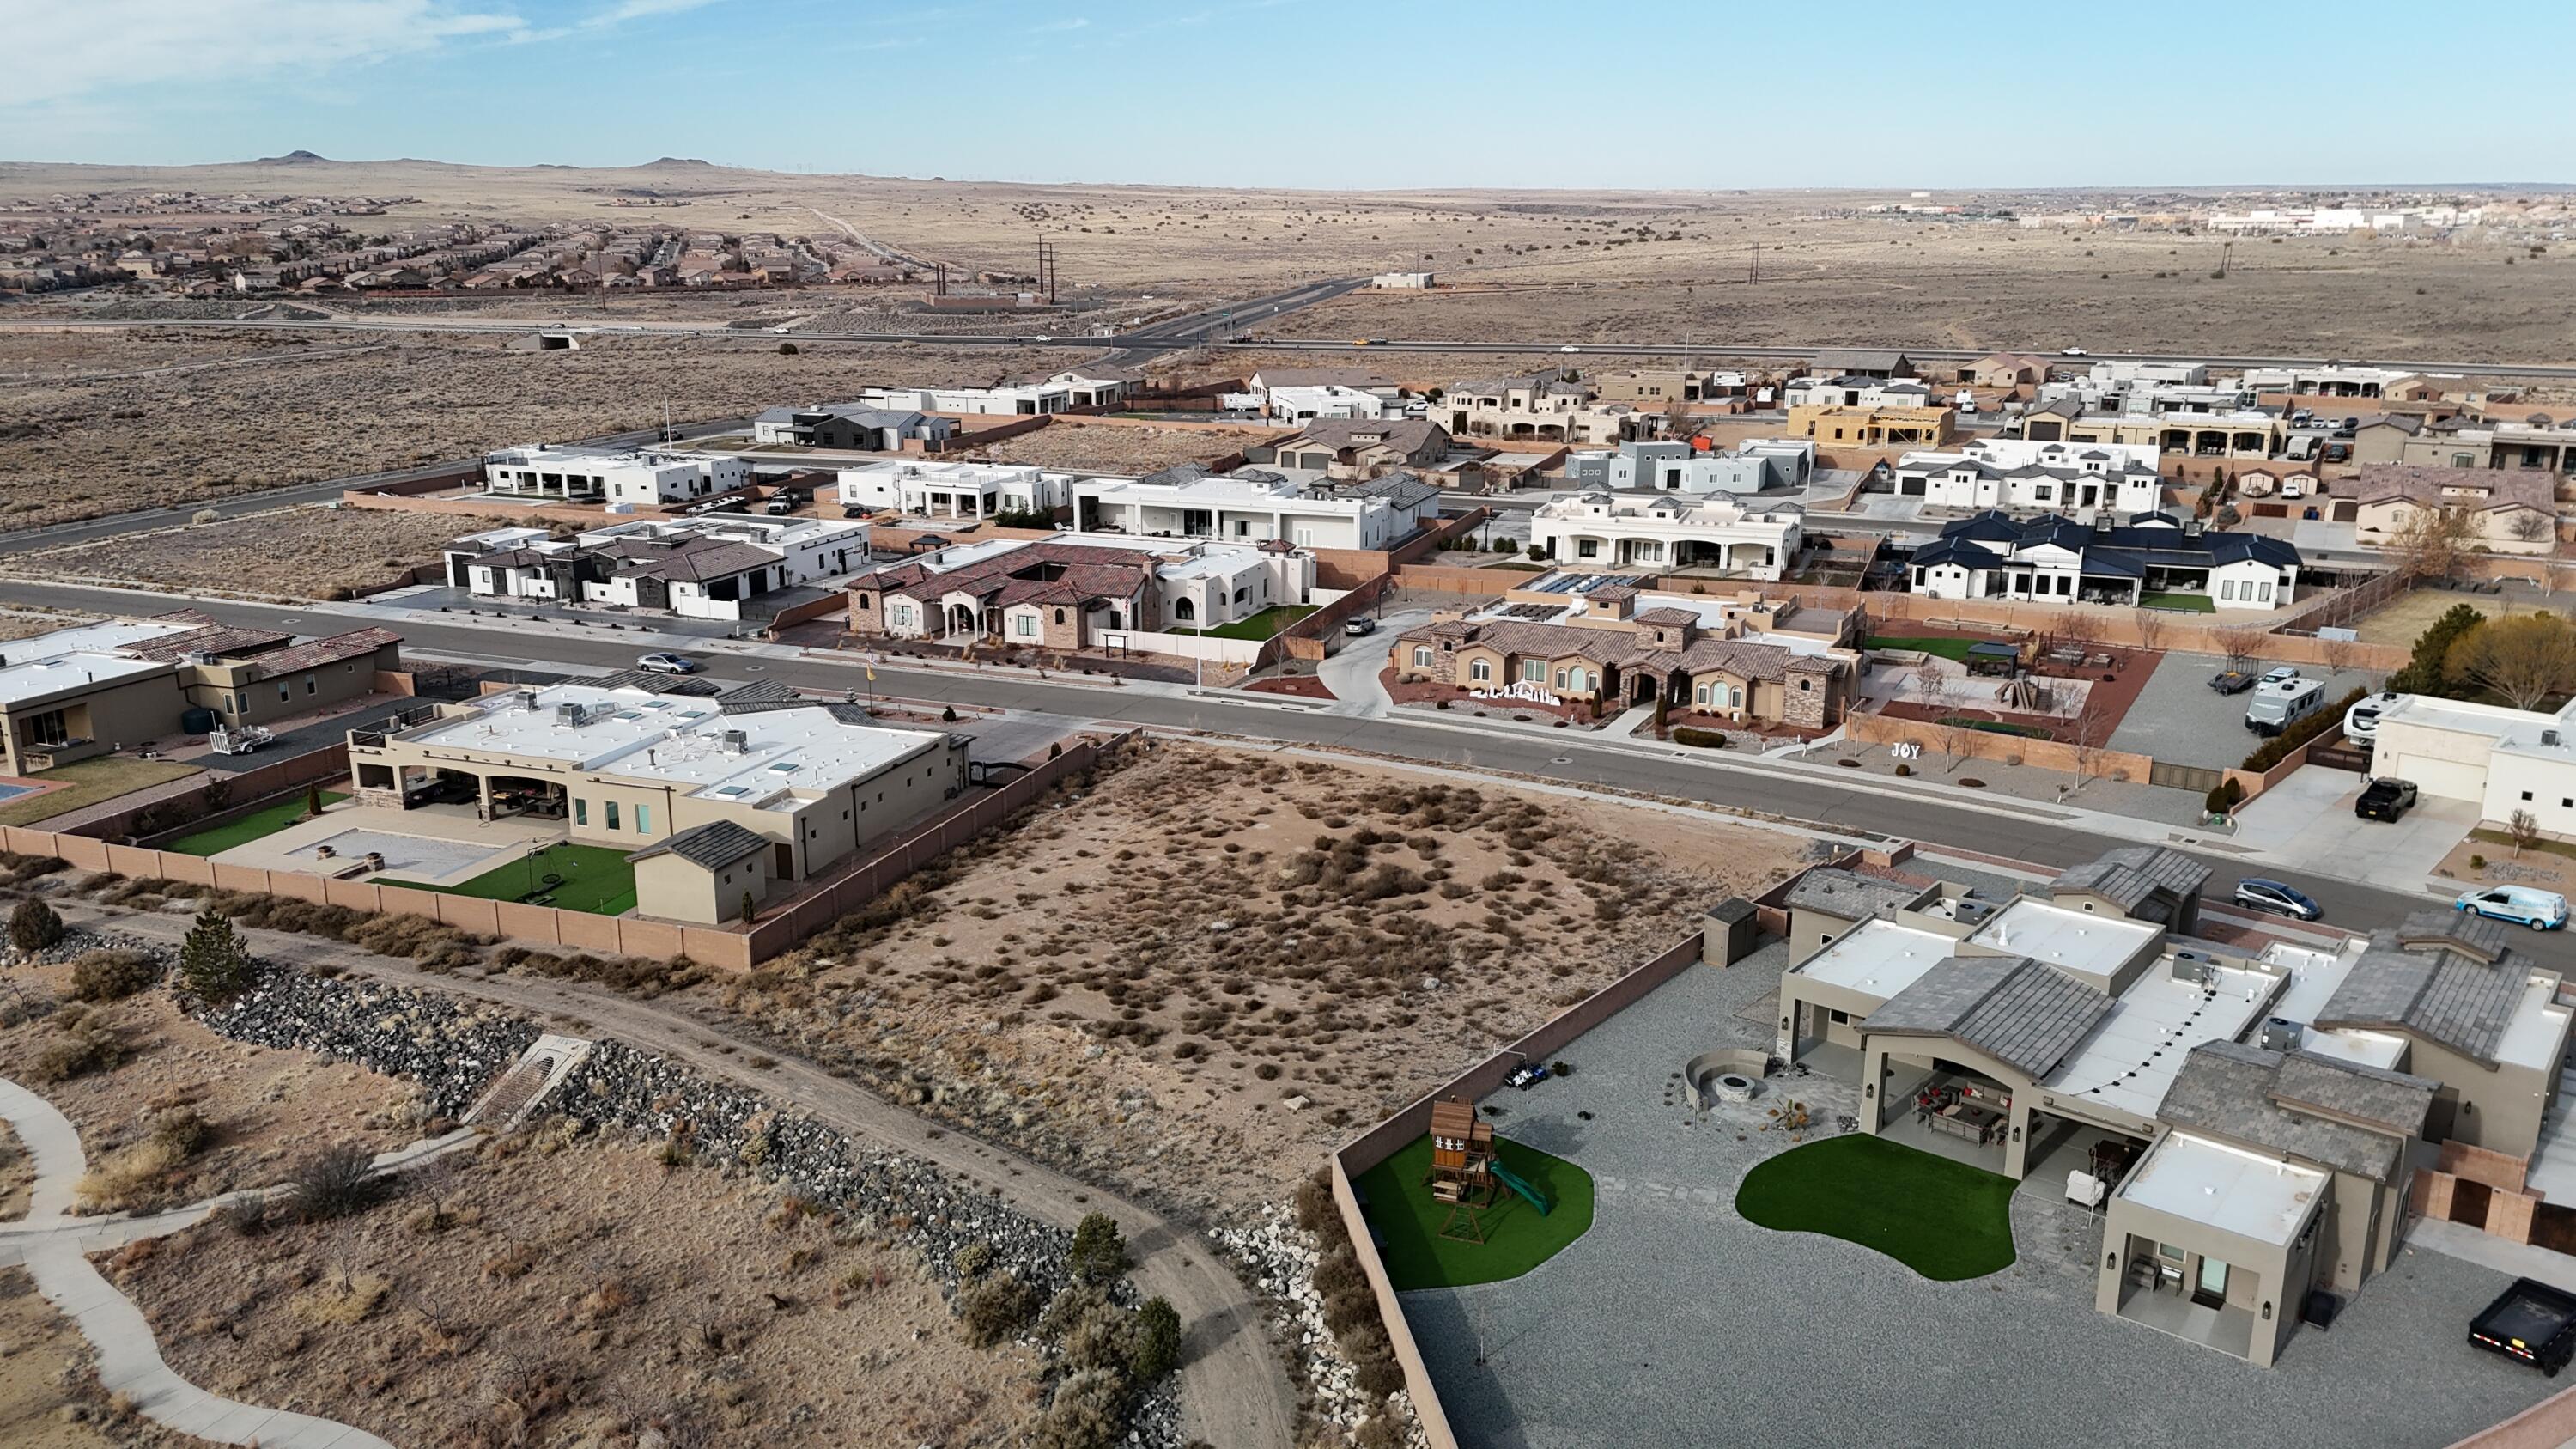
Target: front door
(2211, 1289)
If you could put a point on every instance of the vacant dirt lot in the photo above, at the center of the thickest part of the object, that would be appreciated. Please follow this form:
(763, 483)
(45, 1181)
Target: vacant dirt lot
(547, 1293)
(1107, 449)
(74, 448)
(2404, 618)
(1210, 967)
(170, 1113)
(305, 553)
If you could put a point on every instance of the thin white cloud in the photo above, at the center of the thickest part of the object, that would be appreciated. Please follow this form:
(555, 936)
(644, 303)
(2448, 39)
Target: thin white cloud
(625, 10)
(110, 45)
(1056, 27)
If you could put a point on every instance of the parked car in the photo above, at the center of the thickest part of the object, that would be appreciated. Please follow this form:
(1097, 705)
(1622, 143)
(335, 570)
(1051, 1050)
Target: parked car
(659, 663)
(2385, 800)
(1361, 626)
(2539, 909)
(2532, 1322)
(2255, 893)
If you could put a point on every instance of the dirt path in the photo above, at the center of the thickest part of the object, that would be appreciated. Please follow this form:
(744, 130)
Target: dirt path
(1232, 1389)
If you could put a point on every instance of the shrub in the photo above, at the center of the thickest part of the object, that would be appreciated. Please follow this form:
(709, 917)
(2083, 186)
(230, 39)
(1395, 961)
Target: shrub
(787, 349)
(1099, 1253)
(2477, 862)
(205, 515)
(337, 1182)
(1700, 739)
(1103, 1337)
(973, 1261)
(111, 975)
(246, 1216)
(1089, 1411)
(33, 926)
(79, 1047)
(992, 1309)
(213, 961)
(1157, 1347)
(1903, 769)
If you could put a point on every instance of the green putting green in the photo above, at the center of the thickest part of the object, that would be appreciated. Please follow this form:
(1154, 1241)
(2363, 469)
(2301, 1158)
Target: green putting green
(594, 879)
(1943, 1219)
(1944, 648)
(250, 827)
(1517, 1236)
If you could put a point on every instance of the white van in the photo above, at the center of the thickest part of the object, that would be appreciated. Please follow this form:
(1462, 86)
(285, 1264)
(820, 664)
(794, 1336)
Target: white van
(2280, 703)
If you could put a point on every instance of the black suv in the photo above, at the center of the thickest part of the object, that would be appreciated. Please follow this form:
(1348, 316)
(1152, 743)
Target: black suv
(2385, 800)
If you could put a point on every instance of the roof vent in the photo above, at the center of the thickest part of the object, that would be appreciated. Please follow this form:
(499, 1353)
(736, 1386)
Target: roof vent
(2549, 737)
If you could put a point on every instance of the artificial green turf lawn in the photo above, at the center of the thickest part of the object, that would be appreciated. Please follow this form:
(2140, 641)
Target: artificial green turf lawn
(1943, 1219)
(87, 782)
(1517, 1239)
(595, 879)
(249, 828)
(1259, 627)
(1946, 648)
(2185, 603)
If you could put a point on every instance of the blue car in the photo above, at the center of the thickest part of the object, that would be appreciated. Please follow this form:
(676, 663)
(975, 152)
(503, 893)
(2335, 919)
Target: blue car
(2540, 910)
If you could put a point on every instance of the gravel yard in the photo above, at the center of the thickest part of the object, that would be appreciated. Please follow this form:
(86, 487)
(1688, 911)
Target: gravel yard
(304, 553)
(1704, 1321)
(1120, 448)
(2178, 718)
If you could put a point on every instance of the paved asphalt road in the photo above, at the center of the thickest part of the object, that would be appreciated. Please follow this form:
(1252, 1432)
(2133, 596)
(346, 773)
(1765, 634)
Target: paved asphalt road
(2012, 829)
(1199, 328)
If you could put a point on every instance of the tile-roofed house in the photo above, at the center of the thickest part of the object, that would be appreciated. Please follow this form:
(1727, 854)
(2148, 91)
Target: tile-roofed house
(1669, 617)
(313, 654)
(218, 641)
(1862, 362)
(2335, 1086)
(2445, 996)
(2232, 1090)
(714, 845)
(1849, 895)
(2464, 931)
(2016, 1010)
(2132, 877)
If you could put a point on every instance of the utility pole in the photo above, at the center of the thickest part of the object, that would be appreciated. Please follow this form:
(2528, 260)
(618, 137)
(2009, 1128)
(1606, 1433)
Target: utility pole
(1753, 261)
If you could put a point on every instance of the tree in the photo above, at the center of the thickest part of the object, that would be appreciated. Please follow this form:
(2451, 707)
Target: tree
(2243, 644)
(747, 904)
(33, 926)
(313, 801)
(2530, 527)
(2525, 831)
(2524, 660)
(2429, 543)
(2423, 671)
(1158, 1341)
(1099, 1252)
(213, 961)
(1661, 722)
(1938, 694)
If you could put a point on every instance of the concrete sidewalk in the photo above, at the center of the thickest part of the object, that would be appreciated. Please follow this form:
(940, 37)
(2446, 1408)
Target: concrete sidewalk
(129, 1360)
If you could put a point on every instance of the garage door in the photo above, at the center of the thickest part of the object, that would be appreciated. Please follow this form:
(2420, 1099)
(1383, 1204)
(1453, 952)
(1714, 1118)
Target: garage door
(2444, 779)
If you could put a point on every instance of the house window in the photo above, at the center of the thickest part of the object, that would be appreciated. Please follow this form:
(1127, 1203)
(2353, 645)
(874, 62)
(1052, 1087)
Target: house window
(1185, 609)
(899, 615)
(311, 686)
(1059, 616)
(643, 819)
(2526, 794)
(1560, 679)
(284, 693)
(863, 601)
(1806, 686)
(1587, 548)
(611, 816)
(1582, 680)
(1421, 656)
(2267, 593)
(1534, 670)
(2227, 589)
(1699, 694)
(1025, 625)
(1480, 670)
(580, 811)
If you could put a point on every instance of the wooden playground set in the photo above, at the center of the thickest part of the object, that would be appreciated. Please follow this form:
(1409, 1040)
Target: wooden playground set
(1466, 1174)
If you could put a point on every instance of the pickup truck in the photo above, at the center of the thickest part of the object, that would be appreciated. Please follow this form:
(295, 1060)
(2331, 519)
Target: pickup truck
(2231, 681)
(2385, 800)
(2532, 1322)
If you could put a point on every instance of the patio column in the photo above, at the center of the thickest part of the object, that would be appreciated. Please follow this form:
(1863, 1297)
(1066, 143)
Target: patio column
(2017, 1140)
(1873, 1089)
(483, 798)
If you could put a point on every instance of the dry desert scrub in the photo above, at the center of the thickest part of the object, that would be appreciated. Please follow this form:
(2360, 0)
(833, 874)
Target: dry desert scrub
(1211, 963)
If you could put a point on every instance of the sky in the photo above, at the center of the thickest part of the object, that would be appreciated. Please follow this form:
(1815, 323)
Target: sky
(1333, 94)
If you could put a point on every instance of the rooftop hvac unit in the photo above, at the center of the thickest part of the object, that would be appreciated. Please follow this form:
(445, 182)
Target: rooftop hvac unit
(2193, 967)
(737, 742)
(571, 716)
(2280, 1034)
(528, 700)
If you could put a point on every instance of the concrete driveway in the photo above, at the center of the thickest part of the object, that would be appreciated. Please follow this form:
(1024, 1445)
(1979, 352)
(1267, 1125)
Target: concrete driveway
(1350, 671)
(2306, 824)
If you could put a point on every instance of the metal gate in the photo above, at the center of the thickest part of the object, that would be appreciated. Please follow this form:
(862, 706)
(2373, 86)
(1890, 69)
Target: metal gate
(2184, 777)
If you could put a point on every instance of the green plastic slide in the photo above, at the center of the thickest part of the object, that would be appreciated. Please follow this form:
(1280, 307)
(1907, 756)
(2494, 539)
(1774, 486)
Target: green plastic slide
(1508, 1178)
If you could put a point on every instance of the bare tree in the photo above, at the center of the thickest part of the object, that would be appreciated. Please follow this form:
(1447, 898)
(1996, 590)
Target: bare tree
(2155, 629)
(2243, 644)
(2530, 527)
(2525, 831)
(2524, 660)
(2429, 544)
(2337, 650)
(1938, 693)
(2086, 733)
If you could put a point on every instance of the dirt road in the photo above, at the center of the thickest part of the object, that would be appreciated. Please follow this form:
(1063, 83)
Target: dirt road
(1232, 1388)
